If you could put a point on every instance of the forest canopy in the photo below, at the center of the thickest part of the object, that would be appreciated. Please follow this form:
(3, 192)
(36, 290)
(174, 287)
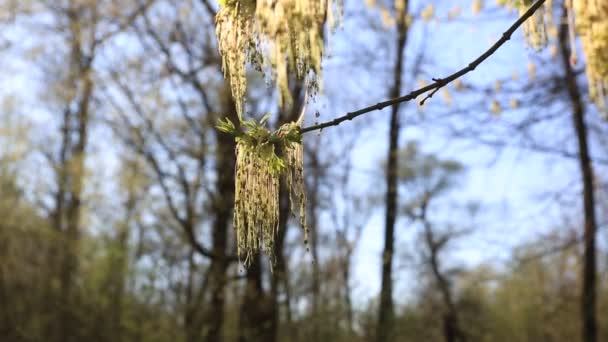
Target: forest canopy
(297, 170)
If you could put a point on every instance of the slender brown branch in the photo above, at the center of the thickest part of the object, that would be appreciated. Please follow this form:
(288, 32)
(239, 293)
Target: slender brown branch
(438, 82)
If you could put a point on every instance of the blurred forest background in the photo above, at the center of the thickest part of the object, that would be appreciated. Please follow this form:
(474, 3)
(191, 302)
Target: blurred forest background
(479, 216)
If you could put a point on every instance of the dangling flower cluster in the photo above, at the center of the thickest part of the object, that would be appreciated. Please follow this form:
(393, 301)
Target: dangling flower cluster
(587, 19)
(256, 204)
(295, 176)
(535, 31)
(591, 18)
(258, 172)
(236, 45)
(280, 35)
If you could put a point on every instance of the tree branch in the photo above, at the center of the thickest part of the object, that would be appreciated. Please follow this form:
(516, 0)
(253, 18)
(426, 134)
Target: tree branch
(438, 82)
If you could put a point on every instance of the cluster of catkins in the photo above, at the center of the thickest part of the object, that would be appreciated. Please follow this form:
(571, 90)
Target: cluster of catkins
(591, 17)
(256, 200)
(256, 209)
(587, 19)
(279, 35)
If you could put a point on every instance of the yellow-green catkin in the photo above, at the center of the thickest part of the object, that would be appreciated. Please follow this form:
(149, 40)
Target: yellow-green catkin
(256, 201)
(258, 173)
(295, 183)
(591, 17)
(234, 40)
(284, 36)
(586, 19)
(535, 28)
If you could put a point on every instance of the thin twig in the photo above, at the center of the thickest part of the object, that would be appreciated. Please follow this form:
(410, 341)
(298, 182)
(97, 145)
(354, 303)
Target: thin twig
(438, 82)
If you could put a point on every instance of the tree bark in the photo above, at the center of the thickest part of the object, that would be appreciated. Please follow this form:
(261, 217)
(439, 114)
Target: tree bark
(72, 177)
(73, 214)
(222, 207)
(120, 265)
(452, 331)
(347, 291)
(257, 308)
(589, 289)
(190, 315)
(279, 276)
(313, 208)
(386, 310)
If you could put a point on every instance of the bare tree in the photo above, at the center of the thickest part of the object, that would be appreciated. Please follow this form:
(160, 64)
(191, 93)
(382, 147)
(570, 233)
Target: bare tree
(180, 166)
(386, 310)
(426, 178)
(589, 276)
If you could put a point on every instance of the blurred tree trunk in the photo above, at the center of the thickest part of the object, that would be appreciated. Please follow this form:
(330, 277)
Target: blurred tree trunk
(346, 263)
(386, 310)
(279, 276)
(71, 169)
(257, 308)
(222, 207)
(314, 169)
(118, 272)
(191, 326)
(73, 213)
(8, 326)
(349, 223)
(589, 290)
(134, 182)
(347, 293)
(452, 331)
